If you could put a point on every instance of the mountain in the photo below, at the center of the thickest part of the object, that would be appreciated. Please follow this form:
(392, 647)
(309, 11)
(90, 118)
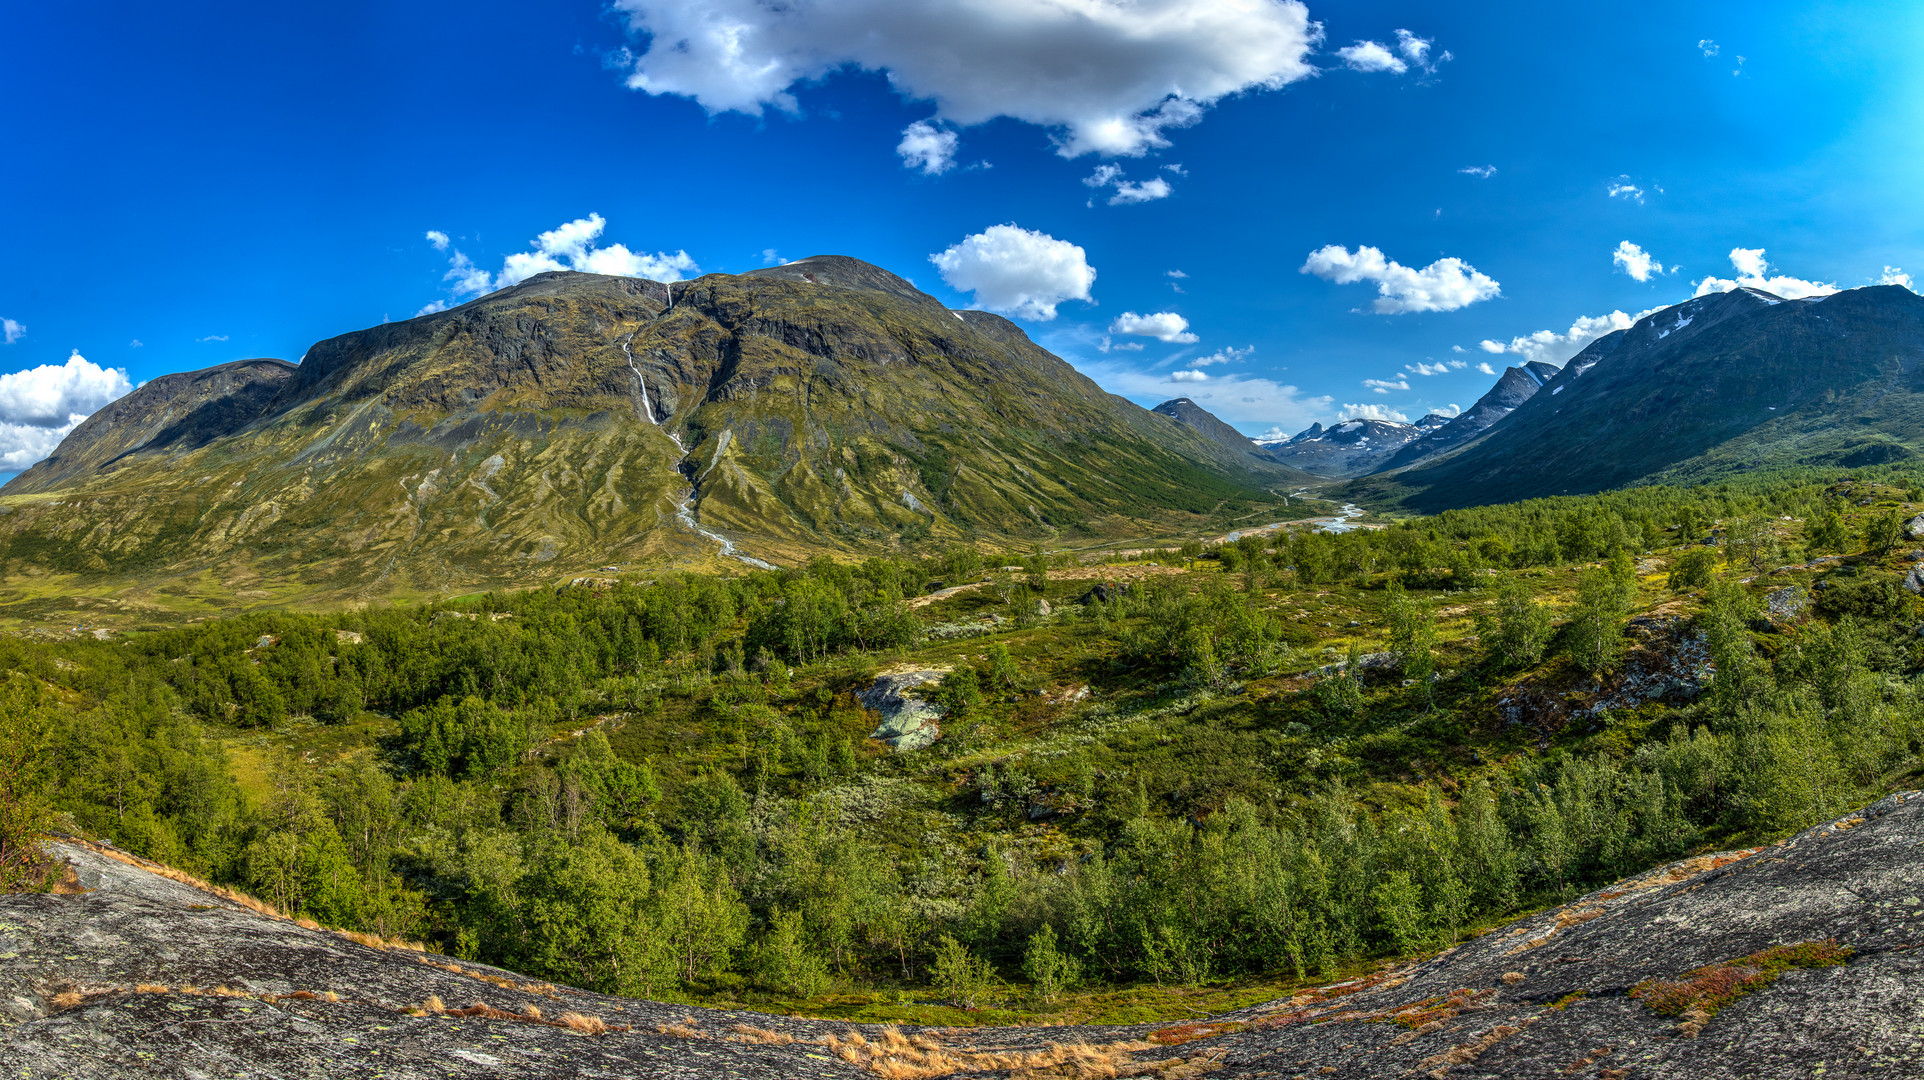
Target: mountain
(1722, 384)
(1514, 387)
(173, 413)
(1799, 959)
(1354, 447)
(576, 419)
(1243, 449)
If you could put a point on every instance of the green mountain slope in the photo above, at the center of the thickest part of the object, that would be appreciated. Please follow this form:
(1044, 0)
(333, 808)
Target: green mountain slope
(575, 420)
(1718, 385)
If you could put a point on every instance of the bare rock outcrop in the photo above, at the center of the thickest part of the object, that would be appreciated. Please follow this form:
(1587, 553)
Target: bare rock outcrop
(1800, 960)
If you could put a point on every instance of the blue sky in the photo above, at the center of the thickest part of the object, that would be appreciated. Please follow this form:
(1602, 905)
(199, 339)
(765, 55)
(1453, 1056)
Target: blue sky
(229, 180)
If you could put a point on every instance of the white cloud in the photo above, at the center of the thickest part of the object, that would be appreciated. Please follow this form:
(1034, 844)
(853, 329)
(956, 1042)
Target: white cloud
(570, 246)
(1622, 188)
(439, 239)
(1485, 368)
(1442, 367)
(136, 344)
(1176, 167)
(1753, 272)
(1017, 271)
(1552, 347)
(1635, 261)
(1138, 68)
(1174, 274)
(1371, 56)
(212, 337)
(1894, 275)
(1384, 386)
(11, 331)
(928, 148)
(1482, 172)
(1709, 47)
(1451, 409)
(1444, 285)
(771, 257)
(1119, 346)
(1127, 192)
(1188, 376)
(431, 307)
(39, 406)
(1375, 412)
(1235, 396)
(1148, 191)
(1166, 326)
(469, 279)
(1229, 355)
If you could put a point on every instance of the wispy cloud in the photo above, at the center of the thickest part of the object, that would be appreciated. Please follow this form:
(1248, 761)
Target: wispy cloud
(1483, 172)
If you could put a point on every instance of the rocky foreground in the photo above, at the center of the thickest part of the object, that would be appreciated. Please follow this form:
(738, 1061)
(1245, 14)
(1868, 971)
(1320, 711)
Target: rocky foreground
(1796, 960)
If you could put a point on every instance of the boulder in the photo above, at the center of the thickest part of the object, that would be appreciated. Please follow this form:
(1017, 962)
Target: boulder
(1914, 581)
(1042, 608)
(1787, 603)
(1103, 592)
(1914, 528)
(908, 719)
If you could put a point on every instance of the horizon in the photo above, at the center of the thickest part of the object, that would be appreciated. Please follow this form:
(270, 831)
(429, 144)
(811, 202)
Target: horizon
(1287, 214)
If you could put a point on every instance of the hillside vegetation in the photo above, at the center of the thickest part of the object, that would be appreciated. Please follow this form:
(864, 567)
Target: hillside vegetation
(1277, 759)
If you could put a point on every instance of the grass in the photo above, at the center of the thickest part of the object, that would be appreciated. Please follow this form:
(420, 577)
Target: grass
(1699, 995)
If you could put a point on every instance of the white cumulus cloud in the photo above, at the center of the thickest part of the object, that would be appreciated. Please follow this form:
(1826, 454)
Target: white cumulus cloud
(1635, 261)
(1709, 47)
(569, 246)
(1895, 275)
(1753, 272)
(1188, 376)
(1371, 56)
(1553, 347)
(1384, 386)
(1017, 271)
(1375, 412)
(1126, 191)
(40, 405)
(1444, 285)
(1162, 325)
(1109, 76)
(928, 148)
(11, 331)
(1148, 191)
(1485, 368)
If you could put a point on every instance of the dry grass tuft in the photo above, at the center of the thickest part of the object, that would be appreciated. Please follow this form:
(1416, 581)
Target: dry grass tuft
(229, 992)
(67, 999)
(330, 996)
(151, 988)
(1440, 1064)
(533, 1012)
(306, 923)
(585, 1025)
(895, 1056)
(682, 1029)
(1511, 978)
(301, 995)
(748, 1034)
(434, 1004)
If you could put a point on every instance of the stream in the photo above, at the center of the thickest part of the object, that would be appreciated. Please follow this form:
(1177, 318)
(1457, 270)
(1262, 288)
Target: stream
(685, 509)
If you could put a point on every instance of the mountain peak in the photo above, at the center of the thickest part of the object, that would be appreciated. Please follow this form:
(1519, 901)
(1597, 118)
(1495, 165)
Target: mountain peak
(844, 272)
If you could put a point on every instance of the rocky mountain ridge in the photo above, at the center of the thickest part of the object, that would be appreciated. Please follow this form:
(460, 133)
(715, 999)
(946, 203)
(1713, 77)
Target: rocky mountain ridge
(574, 420)
(1725, 383)
(1798, 960)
